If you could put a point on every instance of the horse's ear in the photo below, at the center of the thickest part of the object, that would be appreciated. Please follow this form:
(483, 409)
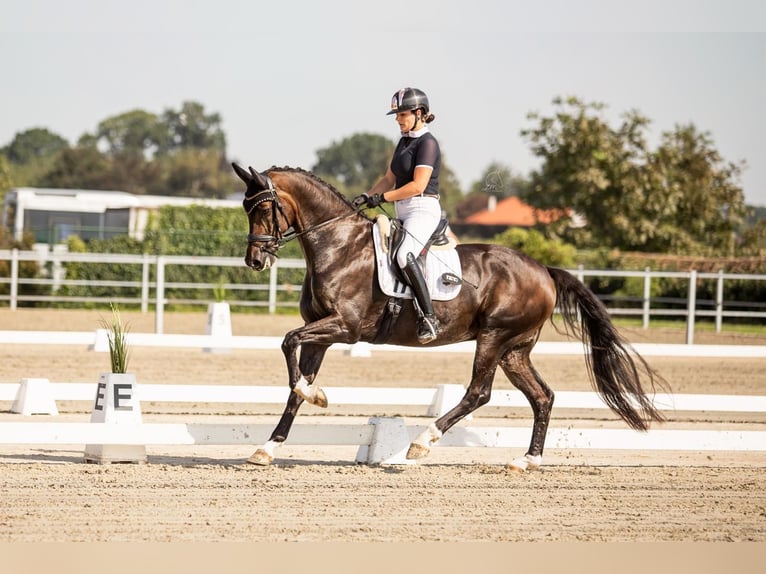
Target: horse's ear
(240, 171)
(262, 182)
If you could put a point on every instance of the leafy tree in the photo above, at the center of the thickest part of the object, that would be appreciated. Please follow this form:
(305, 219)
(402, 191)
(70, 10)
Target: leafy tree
(194, 172)
(80, 167)
(191, 127)
(533, 243)
(701, 188)
(34, 145)
(498, 179)
(633, 198)
(134, 132)
(449, 189)
(356, 163)
(31, 153)
(5, 177)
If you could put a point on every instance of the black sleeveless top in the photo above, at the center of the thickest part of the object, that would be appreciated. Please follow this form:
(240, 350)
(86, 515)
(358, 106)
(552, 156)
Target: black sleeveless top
(411, 152)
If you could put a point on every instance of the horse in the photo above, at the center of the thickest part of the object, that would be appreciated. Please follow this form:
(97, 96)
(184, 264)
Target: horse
(503, 303)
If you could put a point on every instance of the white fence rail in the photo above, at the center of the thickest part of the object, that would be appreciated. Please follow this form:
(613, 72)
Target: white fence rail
(381, 440)
(97, 341)
(438, 400)
(155, 292)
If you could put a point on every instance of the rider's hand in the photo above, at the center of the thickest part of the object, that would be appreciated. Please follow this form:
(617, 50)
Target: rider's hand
(368, 200)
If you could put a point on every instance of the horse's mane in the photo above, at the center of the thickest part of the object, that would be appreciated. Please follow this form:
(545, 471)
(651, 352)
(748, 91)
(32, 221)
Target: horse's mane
(314, 177)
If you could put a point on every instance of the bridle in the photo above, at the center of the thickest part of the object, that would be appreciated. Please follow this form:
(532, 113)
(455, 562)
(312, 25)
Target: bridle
(269, 194)
(278, 239)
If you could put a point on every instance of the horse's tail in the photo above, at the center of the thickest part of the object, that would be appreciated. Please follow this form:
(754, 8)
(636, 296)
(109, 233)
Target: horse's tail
(615, 369)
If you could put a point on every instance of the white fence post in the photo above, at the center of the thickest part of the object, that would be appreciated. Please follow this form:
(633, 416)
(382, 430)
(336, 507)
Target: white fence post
(273, 288)
(719, 302)
(145, 284)
(647, 296)
(692, 308)
(160, 306)
(14, 278)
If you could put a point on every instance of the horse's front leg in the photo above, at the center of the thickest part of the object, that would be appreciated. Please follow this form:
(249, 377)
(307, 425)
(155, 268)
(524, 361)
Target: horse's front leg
(264, 455)
(303, 374)
(311, 357)
(313, 339)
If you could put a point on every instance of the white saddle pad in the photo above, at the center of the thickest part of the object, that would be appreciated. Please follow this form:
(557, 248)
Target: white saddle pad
(437, 263)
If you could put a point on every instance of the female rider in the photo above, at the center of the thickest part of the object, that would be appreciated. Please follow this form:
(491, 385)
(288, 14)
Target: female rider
(412, 183)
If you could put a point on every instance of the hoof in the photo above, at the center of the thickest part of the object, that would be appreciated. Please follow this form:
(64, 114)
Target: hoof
(525, 463)
(320, 399)
(417, 451)
(261, 458)
(311, 394)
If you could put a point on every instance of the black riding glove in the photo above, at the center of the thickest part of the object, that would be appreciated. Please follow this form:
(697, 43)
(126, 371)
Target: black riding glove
(368, 200)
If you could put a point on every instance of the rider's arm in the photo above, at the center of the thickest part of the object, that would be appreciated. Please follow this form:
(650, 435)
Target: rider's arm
(386, 183)
(414, 187)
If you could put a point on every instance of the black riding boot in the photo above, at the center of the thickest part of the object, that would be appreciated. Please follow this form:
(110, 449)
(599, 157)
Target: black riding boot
(428, 326)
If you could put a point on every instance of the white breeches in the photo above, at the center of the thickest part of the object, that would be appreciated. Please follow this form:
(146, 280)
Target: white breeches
(421, 215)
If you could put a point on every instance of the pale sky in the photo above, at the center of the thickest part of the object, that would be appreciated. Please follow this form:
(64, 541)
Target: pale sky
(291, 77)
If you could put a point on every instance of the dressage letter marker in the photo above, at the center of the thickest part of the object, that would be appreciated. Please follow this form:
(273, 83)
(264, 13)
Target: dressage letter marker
(116, 404)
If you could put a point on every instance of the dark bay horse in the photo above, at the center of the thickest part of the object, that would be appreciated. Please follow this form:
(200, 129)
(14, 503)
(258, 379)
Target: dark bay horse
(505, 300)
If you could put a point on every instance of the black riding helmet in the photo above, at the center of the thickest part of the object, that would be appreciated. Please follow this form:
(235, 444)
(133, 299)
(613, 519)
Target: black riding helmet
(409, 99)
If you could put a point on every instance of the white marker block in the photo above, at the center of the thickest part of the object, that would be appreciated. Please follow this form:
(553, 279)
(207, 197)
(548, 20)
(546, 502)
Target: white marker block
(218, 324)
(116, 403)
(34, 397)
(389, 445)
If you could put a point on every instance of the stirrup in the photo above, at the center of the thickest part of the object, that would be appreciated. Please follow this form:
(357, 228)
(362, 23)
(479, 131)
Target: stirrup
(428, 329)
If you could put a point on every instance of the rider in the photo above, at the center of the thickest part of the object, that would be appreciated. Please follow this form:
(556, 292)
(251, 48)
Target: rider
(412, 183)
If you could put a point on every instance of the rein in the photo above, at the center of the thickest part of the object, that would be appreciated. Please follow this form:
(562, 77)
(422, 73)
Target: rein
(279, 239)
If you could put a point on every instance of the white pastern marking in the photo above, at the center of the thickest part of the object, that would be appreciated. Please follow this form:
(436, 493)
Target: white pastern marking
(428, 436)
(304, 389)
(527, 462)
(270, 447)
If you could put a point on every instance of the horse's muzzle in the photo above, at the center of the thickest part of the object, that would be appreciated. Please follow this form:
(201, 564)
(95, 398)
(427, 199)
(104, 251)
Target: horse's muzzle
(258, 259)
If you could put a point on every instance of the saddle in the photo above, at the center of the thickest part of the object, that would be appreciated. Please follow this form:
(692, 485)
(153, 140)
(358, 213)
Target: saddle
(392, 235)
(442, 272)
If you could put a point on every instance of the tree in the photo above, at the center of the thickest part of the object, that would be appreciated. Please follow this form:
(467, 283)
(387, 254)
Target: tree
(533, 243)
(708, 204)
(450, 193)
(193, 172)
(190, 127)
(135, 132)
(499, 180)
(80, 167)
(5, 178)
(31, 153)
(33, 145)
(633, 198)
(356, 163)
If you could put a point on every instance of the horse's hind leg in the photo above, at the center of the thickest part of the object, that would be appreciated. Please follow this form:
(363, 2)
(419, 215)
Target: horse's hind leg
(518, 368)
(476, 395)
(310, 361)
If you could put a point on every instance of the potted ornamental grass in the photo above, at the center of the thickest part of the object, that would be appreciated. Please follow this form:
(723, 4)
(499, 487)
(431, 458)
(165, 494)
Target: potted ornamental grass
(116, 333)
(116, 397)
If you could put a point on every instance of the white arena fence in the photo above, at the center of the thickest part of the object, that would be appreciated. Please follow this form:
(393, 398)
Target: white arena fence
(97, 340)
(381, 440)
(155, 292)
